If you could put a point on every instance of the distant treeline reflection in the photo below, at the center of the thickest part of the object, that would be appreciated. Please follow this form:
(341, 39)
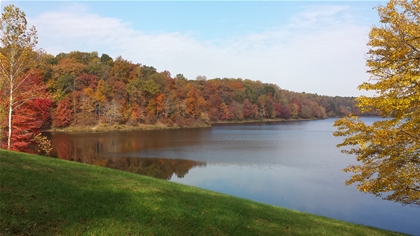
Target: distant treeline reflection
(161, 168)
(100, 153)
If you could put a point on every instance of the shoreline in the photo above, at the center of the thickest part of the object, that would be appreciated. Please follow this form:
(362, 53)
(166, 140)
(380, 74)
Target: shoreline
(160, 126)
(112, 128)
(265, 120)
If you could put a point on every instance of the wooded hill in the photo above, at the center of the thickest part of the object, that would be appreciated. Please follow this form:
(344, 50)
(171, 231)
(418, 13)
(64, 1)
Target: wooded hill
(88, 90)
(81, 89)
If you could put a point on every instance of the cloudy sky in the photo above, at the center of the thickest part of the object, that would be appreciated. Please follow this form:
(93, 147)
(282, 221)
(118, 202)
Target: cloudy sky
(304, 46)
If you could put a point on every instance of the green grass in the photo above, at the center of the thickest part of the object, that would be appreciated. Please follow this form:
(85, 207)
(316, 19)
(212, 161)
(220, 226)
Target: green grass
(46, 196)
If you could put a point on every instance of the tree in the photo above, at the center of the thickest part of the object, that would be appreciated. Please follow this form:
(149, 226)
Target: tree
(123, 70)
(63, 115)
(65, 73)
(160, 104)
(285, 112)
(388, 150)
(27, 121)
(247, 108)
(16, 58)
(17, 44)
(28, 117)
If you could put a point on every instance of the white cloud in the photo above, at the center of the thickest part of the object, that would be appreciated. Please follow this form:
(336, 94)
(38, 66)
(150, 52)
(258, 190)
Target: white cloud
(316, 14)
(321, 50)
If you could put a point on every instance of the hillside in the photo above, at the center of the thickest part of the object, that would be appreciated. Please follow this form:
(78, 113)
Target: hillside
(46, 196)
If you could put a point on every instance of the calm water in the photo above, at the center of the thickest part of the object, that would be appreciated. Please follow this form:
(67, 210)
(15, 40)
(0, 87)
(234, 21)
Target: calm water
(290, 164)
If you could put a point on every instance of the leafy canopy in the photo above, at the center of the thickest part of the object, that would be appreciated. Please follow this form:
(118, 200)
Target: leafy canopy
(388, 150)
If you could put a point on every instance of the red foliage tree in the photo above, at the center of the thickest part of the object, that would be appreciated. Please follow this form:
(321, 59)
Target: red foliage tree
(254, 112)
(277, 108)
(86, 81)
(247, 108)
(285, 112)
(27, 122)
(63, 115)
(31, 108)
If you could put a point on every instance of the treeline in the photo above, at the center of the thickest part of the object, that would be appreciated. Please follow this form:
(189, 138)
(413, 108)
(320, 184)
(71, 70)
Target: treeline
(79, 89)
(88, 90)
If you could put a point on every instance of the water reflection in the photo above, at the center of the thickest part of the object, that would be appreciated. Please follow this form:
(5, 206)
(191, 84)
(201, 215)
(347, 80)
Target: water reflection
(107, 150)
(161, 168)
(291, 164)
(120, 143)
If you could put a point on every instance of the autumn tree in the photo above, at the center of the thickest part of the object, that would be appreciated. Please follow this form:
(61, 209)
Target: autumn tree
(388, 150)
(29, 117)
(27, 122)
(247, 106)
(285, 111)
(160, 104)
(16, 58)
(65, 73)
(63, 115)
(124, 70)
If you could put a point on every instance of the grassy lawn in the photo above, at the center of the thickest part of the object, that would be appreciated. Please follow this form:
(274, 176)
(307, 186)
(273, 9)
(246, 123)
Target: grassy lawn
(46, 196)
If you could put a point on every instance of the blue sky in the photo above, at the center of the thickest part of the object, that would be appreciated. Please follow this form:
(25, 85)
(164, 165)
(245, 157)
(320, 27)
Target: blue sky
(304, 46)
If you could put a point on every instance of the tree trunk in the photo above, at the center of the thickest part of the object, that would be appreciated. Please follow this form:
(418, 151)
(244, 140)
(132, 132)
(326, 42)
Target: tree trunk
(9, 136)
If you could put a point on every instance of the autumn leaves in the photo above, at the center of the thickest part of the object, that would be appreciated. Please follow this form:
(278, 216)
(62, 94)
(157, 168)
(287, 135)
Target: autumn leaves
(24, 102)
(388, 150)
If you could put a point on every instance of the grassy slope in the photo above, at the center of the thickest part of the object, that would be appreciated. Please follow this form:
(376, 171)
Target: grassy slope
(45, 196)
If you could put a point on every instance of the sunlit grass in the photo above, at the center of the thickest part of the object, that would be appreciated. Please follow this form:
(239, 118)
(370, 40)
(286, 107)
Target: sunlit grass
(46, 196)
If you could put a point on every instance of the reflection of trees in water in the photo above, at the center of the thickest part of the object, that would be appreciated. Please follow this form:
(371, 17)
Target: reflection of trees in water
(156, 167)
(122, 142)
(161, 168)
(95, 149)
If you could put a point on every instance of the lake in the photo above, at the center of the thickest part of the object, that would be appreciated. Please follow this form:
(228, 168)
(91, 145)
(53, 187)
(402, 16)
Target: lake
(292, 164)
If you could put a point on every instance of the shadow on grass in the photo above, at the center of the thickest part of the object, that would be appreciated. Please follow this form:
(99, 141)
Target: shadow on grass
(44, 196)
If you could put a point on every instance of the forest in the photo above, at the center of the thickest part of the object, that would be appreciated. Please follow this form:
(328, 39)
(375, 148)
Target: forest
(40, 91)
(83, 89)
(88, 90)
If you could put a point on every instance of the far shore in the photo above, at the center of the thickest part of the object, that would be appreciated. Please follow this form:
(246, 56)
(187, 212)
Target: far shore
(158, 126)
(259, 121)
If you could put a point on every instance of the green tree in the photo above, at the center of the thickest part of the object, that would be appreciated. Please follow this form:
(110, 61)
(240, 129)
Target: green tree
(150, 87)
(388, 150)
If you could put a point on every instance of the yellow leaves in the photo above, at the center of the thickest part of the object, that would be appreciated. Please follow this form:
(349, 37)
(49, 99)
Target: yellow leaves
(13, 26)
(388, 150)
(96, 95)
(88, 91)
(387, 155)
(352, 168)
(4, 66)
(99, 96)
